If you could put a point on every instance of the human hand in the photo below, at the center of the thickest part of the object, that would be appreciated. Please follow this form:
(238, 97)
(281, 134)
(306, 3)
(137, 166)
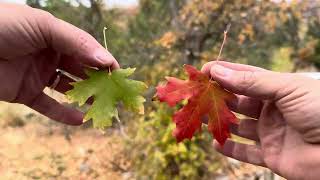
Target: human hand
(284, 118)
(33, 44)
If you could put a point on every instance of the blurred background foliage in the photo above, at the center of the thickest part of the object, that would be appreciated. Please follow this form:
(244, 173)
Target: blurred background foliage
(159, 36)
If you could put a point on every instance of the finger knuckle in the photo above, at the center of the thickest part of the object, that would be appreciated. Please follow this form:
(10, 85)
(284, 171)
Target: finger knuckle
(43, 16)
(247, 80)
(45, 21)
(292, 83)
(82, 40)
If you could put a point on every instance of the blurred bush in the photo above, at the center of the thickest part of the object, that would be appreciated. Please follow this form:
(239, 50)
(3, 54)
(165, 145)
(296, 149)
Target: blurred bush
(156, 154)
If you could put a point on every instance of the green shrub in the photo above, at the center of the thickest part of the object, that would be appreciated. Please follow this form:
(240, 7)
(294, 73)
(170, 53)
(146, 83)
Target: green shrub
(156, 154)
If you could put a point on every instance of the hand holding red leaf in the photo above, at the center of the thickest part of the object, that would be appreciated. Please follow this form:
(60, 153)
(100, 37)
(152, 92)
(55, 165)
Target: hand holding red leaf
(205, 98)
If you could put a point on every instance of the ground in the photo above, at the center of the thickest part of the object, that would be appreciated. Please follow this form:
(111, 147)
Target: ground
(33, 147)
(33, 152)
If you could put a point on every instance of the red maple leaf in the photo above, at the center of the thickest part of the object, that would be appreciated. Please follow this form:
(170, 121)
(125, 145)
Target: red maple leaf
(205, 98)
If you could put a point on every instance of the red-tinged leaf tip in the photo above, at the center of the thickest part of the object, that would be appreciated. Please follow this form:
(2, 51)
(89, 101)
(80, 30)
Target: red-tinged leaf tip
(174, 91)
(220, 130)
(205, 98)
(186, 130)
(194, 74)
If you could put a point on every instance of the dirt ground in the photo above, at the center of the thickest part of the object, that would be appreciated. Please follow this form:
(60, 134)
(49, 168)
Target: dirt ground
(34, 152)
(34, 147)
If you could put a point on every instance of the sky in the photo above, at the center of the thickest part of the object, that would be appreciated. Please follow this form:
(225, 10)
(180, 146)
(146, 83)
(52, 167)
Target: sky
(110, 3)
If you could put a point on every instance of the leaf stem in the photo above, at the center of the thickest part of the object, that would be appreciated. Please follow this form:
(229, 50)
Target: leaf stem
(109, 70)
(224, 40)
(104, 37)
(106, 45)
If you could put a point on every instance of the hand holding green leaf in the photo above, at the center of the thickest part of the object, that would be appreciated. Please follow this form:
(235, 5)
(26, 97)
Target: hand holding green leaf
(107, 90)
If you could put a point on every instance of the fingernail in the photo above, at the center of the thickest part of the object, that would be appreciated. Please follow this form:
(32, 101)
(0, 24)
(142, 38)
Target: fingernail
(220, 71)
(103, 56)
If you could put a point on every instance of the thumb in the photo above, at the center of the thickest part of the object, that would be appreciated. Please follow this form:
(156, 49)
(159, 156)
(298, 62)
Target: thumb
(257, 84)
(70, 40)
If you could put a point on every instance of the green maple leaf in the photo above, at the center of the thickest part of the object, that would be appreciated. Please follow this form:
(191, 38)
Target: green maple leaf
(108, 90)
